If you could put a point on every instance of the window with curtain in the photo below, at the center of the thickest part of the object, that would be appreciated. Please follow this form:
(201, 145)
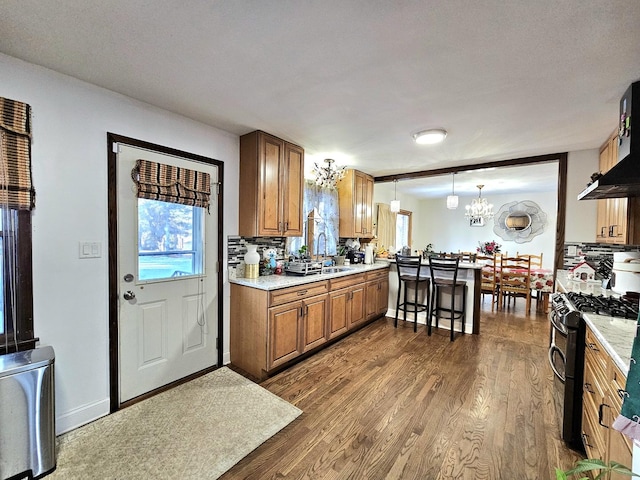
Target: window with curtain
(394, 229)
(171, 205)
(403, 229)
(321, 217)
(17, 199)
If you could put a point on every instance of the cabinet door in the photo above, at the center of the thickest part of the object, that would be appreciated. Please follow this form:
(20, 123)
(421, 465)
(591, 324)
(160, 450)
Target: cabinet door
(602, 223)
(285, 330)
(292, 181)
(371, 299)
(618, 220)
(271, 155)
(359, 206)
(368, 207)
(339, 306)
(314, 316)
(620, 447)
(383, 296)
(357, 310)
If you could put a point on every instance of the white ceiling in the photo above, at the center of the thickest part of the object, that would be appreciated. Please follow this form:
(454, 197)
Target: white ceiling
(353, 79)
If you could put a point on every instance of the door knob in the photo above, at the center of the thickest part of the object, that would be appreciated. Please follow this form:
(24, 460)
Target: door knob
(129, 295)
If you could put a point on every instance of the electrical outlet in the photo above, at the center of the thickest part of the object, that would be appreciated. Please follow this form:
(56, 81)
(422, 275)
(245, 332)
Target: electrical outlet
(572, 251)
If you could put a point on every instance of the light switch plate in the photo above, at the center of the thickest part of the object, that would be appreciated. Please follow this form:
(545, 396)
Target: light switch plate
(90, 250)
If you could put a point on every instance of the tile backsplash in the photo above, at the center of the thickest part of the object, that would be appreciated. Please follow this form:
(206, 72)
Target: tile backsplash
(599, 255)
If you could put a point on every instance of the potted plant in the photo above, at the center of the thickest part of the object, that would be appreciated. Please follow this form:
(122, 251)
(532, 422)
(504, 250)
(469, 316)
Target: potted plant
(341, 252)
(592, 464)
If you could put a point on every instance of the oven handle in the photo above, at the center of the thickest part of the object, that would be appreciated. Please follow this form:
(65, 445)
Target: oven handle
(553, 318)
(552, 350)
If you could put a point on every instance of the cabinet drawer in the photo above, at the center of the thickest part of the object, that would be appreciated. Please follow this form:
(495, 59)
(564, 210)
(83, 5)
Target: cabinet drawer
(592, 391)
(595, 349)
(348, 281)
(617, 385)
(593, 442)
(377, 274)
(291, 294)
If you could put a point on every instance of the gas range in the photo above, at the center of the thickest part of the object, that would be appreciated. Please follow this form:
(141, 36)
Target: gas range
(601, 305)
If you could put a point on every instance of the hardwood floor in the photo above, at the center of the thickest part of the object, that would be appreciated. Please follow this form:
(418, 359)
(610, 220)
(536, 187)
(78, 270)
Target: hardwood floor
(388, 403)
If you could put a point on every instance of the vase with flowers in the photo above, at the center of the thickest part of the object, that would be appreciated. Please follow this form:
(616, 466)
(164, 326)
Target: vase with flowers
(489, 248)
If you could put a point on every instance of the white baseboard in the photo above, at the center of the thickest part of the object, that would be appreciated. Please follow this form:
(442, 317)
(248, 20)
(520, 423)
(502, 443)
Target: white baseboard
(81, 416)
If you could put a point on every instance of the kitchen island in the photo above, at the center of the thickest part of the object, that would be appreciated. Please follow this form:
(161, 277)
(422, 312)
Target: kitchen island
(470, 272)
(277, 320)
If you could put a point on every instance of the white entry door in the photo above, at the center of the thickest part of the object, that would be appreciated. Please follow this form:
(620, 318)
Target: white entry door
(167, 321)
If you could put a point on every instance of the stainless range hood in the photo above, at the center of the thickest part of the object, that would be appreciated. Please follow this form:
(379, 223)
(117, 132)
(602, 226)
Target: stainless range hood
(623, 179)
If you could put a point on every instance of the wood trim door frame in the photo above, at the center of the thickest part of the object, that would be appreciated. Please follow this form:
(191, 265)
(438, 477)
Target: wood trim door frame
(112, 221)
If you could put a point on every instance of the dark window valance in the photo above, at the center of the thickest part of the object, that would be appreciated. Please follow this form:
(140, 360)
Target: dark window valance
(168, 183)
(16, 188)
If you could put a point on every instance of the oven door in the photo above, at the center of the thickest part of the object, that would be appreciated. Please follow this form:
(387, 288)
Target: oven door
(557, 347)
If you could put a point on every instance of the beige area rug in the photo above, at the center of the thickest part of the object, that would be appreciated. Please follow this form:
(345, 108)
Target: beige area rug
(197, 430)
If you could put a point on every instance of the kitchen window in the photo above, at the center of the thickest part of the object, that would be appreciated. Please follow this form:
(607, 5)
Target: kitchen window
(403, 229)
(17, 199)
(16, 307)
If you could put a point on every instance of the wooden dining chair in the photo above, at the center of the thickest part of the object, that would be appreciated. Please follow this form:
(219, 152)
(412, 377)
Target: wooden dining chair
(536, 260)
(515, 280)
(488, 277)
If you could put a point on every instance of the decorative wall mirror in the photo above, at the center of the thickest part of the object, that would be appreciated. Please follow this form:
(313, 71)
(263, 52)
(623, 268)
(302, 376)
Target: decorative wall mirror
(519, 221)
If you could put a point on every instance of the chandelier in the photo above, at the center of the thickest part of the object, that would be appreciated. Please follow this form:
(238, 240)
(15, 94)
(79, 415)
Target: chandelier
(328, 176)
(479, 207)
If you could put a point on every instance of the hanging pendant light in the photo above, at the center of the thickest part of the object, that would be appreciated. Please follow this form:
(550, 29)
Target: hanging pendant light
(452, 200)
(479, 208)
(394, 205)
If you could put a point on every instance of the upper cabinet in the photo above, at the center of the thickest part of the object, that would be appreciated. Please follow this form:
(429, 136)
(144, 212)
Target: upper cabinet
(355, 196)
(271, 186)
(616, 217)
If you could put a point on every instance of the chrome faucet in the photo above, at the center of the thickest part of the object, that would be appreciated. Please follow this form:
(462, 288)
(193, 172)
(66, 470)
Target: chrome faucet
(322, 234)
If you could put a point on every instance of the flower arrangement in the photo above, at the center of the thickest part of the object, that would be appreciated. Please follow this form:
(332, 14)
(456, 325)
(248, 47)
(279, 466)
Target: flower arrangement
(489, 248)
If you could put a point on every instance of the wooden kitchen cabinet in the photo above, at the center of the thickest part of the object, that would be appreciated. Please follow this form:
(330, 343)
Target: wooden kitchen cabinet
(616, 217)
(346, 304)
(270, 328)
(271, 186)
(602, 401)
(355, 199)
(377, 293)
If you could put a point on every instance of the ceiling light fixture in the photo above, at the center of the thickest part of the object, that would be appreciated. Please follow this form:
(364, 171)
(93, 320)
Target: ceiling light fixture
(479, 207)
(452, 200)
(394, 205)
(328, 176)
(430, 137)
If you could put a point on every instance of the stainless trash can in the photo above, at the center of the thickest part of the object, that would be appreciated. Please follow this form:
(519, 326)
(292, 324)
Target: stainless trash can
(27, 414)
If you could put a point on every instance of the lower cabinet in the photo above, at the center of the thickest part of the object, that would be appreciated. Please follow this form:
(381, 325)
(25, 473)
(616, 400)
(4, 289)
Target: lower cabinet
(346, 304)
(602, 401)
(270, 328)
(377, 293)
(295, 328)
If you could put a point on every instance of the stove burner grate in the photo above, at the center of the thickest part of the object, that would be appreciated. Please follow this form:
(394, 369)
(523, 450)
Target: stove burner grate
(601, 305)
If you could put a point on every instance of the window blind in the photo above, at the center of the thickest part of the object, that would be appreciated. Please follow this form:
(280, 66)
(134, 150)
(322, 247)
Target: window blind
(168, 183)
(16, 188)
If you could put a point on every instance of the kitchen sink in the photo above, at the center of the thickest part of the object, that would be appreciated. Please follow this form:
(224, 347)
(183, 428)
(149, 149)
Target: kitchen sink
(336, 269)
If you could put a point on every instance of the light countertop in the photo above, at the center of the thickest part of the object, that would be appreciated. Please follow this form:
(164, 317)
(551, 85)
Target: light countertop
(273, 282)
(616, 334)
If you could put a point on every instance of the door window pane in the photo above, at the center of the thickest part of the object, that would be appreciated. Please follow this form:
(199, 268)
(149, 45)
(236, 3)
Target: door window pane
(170, 240)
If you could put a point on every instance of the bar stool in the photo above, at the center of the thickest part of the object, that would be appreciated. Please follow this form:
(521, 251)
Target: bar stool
(409, 278)
(444, 278)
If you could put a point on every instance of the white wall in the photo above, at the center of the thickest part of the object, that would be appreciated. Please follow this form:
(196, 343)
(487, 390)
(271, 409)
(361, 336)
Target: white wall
(449, 230)
(69, 150)
(580, 225)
